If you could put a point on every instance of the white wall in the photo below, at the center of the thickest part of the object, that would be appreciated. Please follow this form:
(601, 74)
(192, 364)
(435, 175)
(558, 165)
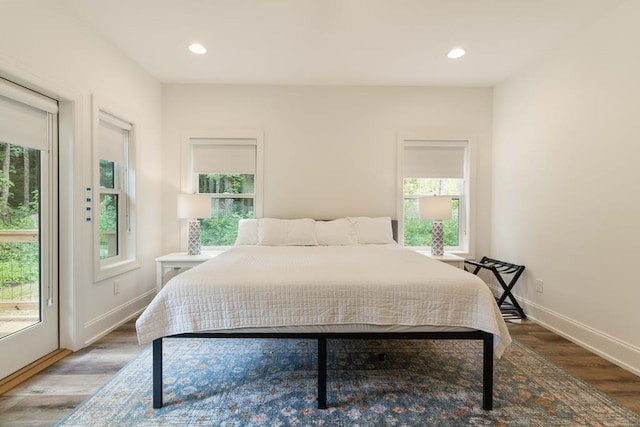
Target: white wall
(329, 151)
(565, 170)
(43, 46)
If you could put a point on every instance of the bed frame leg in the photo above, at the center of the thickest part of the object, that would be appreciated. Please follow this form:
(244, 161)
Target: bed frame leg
(322, 373)
(487, 372)
(157, 373)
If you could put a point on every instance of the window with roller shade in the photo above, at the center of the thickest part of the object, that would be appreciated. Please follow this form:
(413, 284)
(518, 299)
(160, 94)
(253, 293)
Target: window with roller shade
(114, 216)
(435, 168)
(226, 169)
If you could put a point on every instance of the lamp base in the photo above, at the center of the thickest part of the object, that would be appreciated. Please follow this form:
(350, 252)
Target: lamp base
(437, 239)
(193, 245)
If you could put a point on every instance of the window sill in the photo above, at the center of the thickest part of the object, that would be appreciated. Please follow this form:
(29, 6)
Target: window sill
(215, 248)
(424, 250)
(115, 269)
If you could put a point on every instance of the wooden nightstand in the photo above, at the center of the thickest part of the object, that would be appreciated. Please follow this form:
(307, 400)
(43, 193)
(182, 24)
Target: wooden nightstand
(450, 259)
(179, 260)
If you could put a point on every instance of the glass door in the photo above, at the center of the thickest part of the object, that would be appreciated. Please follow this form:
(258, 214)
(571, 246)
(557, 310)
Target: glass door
(28, 223)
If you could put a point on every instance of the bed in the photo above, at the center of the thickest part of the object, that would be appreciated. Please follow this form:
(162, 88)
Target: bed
(340, 279)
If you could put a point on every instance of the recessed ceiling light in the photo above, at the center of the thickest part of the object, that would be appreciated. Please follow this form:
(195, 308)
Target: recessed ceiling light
(456, 53)
(197, 48)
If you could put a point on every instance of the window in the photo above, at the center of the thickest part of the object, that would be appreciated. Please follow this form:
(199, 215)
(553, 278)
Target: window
(228, 170)
(435, 167)
(114, 215)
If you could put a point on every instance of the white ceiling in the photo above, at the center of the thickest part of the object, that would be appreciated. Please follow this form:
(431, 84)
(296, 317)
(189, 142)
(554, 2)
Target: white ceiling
(343, 42)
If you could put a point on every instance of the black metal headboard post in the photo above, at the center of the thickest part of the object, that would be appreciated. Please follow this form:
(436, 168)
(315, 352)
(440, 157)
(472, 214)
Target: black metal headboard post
(394, 229)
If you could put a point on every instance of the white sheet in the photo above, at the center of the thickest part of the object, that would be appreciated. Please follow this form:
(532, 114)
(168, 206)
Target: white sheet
(287, 286)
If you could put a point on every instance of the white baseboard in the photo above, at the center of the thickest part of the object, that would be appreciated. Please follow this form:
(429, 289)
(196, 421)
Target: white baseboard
(610, 348)
(100, 326)
(616, 351)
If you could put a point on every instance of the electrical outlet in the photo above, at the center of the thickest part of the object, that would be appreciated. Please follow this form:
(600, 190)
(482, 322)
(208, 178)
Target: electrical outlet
(539, 286)
(116, 287)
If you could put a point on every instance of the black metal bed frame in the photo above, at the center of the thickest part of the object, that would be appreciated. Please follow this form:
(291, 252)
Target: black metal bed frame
(485, 337)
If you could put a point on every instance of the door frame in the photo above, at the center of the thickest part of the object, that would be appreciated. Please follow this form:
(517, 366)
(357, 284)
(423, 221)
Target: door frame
(70, 189)
(42, 337)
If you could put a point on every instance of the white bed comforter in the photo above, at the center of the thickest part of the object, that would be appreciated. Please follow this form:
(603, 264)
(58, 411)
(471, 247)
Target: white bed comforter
(266, 286)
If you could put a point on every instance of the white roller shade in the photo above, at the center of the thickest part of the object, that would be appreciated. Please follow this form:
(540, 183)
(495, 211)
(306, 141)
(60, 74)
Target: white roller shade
(24, 116)
(112, 133)
(224, 156)
(433, 161)
(26, 96)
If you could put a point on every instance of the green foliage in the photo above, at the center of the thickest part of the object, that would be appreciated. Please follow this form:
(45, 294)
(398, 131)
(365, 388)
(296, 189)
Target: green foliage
(219, 231)
(107, 174)
(20, 291)
(17, 271)
(108, 225)
(4, 182)
(226, 184)
(19, 261)
(429, 186)
(15, 184)
(21, 217)
(222, 228)
(108, 212)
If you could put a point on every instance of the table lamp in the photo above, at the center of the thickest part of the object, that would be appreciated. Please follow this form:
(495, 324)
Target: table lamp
(192, 207)
(436, 209)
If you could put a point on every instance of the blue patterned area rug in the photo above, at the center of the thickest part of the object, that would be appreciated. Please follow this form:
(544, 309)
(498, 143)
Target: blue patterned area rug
(272, 382)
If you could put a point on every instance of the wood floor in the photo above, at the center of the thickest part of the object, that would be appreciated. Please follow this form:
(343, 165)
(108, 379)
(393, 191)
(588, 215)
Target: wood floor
(47, 397)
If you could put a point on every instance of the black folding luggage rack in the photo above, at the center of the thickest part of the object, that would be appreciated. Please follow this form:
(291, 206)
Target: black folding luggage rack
(500, 268)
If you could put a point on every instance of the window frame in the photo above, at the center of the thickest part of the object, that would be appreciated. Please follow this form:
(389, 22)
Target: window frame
(466, 207)
(125, 179)
(189, 179)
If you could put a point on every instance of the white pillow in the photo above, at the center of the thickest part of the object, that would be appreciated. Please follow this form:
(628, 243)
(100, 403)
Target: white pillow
(375, 231)
(287, 232)
(247, 232)
(338, 232)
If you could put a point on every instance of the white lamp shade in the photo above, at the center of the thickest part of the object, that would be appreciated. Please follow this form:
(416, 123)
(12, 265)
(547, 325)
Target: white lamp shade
(194, 206)
(436, 208)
